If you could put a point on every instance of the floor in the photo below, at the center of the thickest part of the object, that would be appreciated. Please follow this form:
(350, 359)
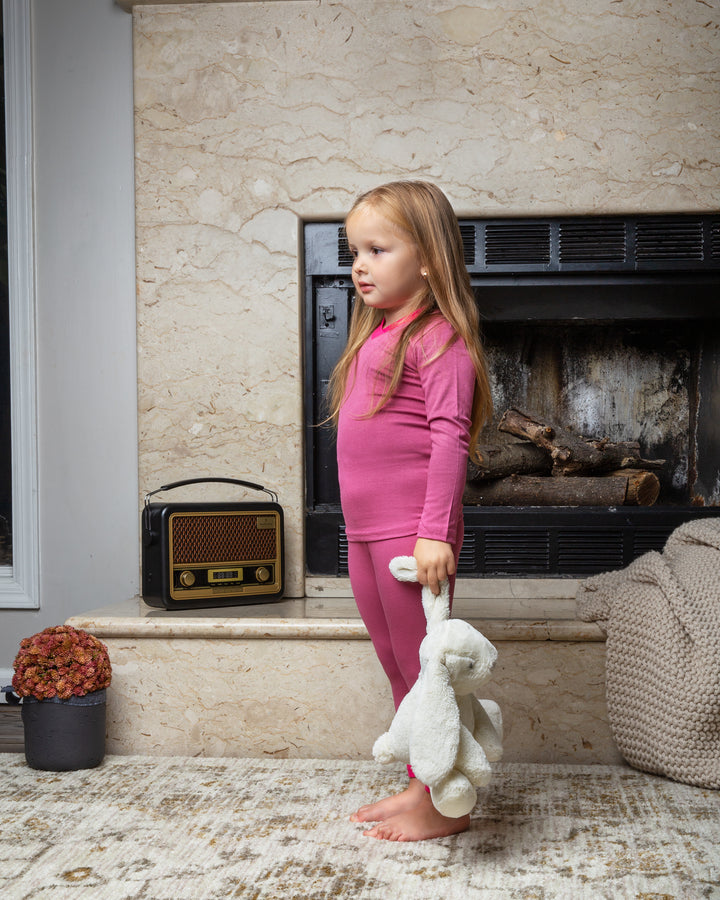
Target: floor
(11, 729)
(176, 828)
(205, 829)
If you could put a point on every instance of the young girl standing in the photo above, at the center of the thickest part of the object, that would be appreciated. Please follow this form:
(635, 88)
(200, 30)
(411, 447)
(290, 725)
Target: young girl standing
(408, 395)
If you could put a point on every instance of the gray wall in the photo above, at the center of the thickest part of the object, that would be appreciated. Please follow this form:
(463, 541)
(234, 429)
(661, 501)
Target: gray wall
(87, 385)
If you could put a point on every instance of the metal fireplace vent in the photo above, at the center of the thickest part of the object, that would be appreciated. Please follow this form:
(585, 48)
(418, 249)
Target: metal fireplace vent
(595, 245)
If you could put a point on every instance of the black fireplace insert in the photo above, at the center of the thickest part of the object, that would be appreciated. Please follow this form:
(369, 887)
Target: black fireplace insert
(609, 324)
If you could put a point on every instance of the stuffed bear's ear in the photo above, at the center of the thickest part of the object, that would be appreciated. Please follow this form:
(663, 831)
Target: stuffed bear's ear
(435, 734)
(437, 608)
(404, 568)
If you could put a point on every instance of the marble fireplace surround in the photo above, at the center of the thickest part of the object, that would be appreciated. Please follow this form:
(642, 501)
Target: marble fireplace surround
(254, 117)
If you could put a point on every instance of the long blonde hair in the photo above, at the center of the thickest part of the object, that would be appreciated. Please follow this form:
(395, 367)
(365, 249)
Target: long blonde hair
(424, 213)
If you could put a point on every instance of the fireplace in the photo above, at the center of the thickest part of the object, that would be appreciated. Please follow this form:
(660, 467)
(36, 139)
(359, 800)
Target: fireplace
(609, 325)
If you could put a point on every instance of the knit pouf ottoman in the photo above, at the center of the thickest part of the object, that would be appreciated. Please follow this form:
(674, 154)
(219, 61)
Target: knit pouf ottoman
(662, 617)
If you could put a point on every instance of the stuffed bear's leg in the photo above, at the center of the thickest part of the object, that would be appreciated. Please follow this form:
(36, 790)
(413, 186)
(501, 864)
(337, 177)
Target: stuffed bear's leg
(454, 796)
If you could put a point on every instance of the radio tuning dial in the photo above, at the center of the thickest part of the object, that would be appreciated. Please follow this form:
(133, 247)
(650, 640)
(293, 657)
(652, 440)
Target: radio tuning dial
(262, 574)
(187, 579)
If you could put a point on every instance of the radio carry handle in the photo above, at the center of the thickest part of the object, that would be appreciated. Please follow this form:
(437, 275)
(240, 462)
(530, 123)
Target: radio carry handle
(175, 484)
(247, 484)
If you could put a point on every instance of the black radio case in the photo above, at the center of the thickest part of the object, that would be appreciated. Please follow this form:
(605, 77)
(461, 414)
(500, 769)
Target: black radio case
(203, 555)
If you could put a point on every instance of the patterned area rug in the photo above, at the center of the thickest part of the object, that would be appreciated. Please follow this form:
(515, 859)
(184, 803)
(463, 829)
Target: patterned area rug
(204, 829)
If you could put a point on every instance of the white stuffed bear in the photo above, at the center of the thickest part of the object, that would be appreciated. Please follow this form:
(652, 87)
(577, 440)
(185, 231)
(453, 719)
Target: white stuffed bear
(448, 736)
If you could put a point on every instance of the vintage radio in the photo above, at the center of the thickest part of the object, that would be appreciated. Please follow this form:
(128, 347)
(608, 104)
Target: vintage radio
(197, 555)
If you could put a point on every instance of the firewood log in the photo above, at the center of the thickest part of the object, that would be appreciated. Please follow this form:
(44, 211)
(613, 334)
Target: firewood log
(617, 489)
(531, 490)
(508, 458)
(643, 487)
(571, 453)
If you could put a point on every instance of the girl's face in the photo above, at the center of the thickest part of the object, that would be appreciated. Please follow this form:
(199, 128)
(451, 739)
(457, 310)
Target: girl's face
(387, 271)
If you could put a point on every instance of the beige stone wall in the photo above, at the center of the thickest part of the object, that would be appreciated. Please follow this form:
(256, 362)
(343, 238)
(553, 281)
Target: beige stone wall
(251, 117)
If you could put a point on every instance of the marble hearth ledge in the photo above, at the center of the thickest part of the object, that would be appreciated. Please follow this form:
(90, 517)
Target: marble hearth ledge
(326, 619)
(128, 5)
(300, 679)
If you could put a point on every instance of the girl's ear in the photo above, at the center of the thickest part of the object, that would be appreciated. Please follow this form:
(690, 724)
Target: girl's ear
(435, 729)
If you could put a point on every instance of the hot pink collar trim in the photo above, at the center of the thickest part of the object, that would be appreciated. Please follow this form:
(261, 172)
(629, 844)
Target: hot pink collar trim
(382, 327)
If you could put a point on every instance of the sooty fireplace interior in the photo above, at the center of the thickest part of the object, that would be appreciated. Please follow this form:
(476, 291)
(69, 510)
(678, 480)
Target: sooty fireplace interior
(606, 327)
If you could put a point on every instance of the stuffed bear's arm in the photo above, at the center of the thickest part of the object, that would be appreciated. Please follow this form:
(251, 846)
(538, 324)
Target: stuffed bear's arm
(394, 745)
(487, 729)
(384, 750)
(471, 759)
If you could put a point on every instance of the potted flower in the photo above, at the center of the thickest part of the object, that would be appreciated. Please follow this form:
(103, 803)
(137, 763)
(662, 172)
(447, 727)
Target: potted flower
(61, 675)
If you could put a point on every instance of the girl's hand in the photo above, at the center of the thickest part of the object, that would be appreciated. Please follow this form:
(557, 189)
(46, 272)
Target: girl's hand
(435, 562)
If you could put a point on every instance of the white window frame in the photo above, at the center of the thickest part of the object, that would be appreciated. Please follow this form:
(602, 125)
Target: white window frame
(19, 583)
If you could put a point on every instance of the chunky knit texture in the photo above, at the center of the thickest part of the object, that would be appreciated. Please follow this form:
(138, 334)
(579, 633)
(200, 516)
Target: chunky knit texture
(662, 616)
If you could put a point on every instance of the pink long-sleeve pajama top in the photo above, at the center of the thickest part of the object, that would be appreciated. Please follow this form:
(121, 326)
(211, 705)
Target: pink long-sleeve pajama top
(402, 470)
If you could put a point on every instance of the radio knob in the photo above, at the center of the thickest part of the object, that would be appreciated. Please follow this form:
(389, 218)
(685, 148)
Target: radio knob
(262, 574)
(187, 579)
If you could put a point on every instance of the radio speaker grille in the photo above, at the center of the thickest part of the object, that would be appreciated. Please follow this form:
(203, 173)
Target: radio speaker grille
(218, 538)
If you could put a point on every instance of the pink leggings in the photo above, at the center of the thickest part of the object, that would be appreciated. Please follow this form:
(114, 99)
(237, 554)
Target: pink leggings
(391, 609)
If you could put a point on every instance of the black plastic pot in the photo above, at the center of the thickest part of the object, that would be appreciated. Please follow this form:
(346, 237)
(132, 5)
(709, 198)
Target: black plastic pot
(61, 735)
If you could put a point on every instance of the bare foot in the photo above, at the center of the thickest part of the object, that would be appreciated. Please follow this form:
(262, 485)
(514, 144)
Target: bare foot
(420, 823)
(392, 806)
